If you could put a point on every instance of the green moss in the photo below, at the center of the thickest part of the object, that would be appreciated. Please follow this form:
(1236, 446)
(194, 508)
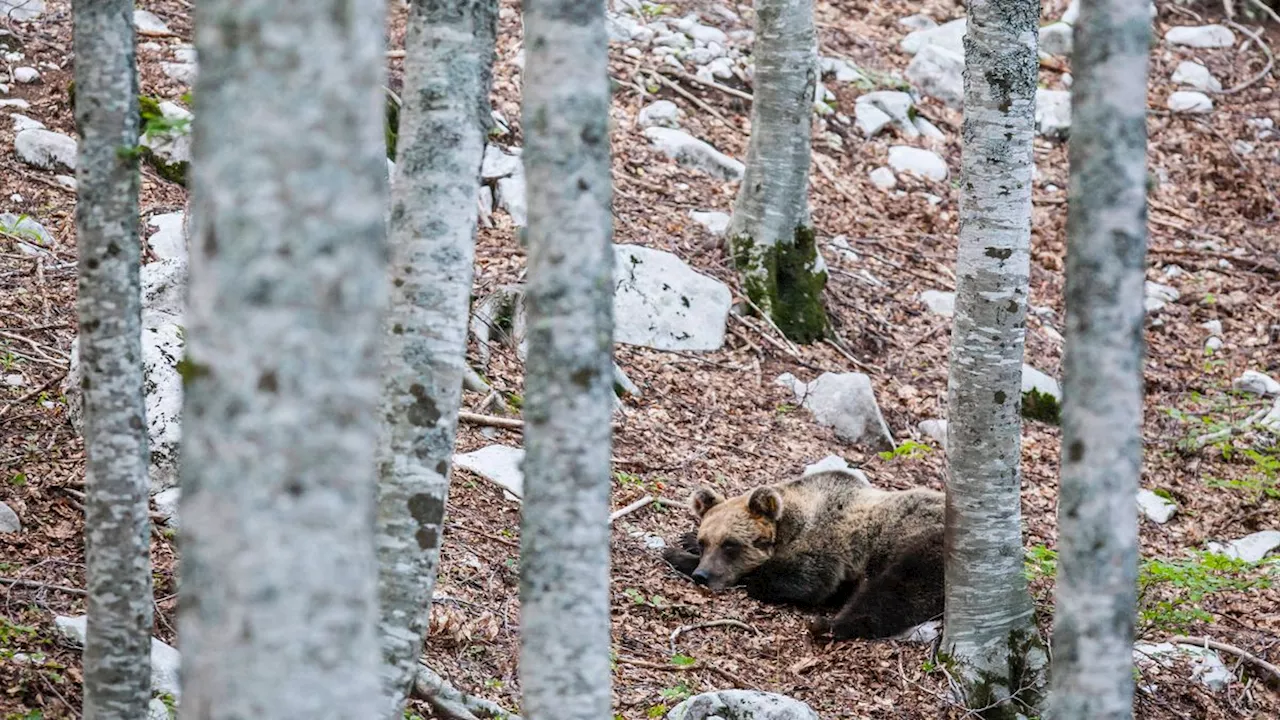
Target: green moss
(391, 126)
(173, 172)
(1041, 406)
(788, 289)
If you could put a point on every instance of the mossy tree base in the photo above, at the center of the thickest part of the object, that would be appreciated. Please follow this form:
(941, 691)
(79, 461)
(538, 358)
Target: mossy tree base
(785, 280)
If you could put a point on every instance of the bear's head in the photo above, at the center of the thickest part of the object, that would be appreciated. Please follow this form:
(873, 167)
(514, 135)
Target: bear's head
(736, 535)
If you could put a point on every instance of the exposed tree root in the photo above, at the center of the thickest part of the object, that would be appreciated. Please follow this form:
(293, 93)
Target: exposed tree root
(446, 701)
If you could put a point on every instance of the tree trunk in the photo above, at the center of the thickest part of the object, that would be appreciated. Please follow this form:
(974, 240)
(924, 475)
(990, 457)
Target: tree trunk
(117, 649)
(564, 577)
(286, 303)
(1096, 590)
(770, 235)
(990, 638)
(449, 56)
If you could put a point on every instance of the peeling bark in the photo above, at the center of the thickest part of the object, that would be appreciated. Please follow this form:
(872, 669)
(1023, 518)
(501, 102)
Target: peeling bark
(117, 649)
(990, 639)
(564, 578)
(1096, 590)
(449, 57)
(286, 299)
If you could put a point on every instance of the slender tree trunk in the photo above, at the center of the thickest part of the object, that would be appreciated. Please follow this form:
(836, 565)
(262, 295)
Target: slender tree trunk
(990, 637)
(117, 649)
(770, 235)
(564, 553)
(287, 293)
(1102, 390)
(449, 56)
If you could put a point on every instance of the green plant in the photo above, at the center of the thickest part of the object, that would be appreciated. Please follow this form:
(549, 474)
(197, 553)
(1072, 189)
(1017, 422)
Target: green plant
(1171, 592)
(11, 631)
(676, 693)
(909, 450)
(1040, 562)
(18, 479)
(680, 660)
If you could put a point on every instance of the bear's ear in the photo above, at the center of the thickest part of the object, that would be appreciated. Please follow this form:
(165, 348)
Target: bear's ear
(765, 502)
(704, 499)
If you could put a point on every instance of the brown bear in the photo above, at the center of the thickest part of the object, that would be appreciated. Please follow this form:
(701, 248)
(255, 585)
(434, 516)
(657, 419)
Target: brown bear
(828, 541)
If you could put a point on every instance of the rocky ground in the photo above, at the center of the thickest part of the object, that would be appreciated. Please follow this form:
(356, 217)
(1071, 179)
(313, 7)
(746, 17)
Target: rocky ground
(887, 150)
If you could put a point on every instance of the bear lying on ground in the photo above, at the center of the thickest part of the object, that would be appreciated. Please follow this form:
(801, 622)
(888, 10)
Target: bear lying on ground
(824, 542)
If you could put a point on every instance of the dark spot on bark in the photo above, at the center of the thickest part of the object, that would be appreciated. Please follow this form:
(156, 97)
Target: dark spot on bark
(428, 538)
(211, 243)
(398, 282)
(113, 249)
(268, 382)
(1012, 307)
(583, 185)
(91, 263)
(999, 253)
(426, 509)
(1075, 453)
(423, 411)
(135, 423)
(1001, 397)
(294, 488)
(92, 325)
(591, 134)
(442, 467)
(398, 329)
(85, 383)
(583, 377)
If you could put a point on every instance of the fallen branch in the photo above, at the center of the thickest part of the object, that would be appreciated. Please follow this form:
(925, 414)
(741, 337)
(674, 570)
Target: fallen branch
(42, 586)
(691, 667)
(1231, 430)
(707, 83)
(446, 701)
(490, 421)
(1250, 658)
(1266, 50)
(726, 622)
(641, 503)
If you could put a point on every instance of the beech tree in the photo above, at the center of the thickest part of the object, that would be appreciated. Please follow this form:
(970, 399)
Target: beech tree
(564, 545)
(990, 639)
(770, 235)
(286, 299)
(443, 124)
(117, 648)
(1096, 589)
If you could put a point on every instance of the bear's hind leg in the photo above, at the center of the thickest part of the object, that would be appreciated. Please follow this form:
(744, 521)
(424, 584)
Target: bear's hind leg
(907, 593)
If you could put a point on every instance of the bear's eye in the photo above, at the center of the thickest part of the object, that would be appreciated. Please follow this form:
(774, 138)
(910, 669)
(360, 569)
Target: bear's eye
(730, 547)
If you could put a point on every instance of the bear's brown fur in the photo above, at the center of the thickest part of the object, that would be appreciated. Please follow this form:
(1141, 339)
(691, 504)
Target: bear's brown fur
(828, 541)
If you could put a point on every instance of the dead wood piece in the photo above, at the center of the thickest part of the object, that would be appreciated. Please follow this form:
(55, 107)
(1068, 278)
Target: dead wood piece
(446, 701)
(724, 622)
(1248, 657)
(637, 505)
(490, 421)
(14, 582)
(692, 667)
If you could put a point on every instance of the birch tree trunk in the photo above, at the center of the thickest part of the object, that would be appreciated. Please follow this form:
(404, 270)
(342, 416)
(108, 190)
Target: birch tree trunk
(770, 234)
(1096, 590)
(448, 60)
(287, 293)
(990, 638)
(564, 553)
(117, 648)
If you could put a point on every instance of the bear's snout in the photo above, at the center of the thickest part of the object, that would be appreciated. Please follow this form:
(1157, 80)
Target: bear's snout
(701, 577)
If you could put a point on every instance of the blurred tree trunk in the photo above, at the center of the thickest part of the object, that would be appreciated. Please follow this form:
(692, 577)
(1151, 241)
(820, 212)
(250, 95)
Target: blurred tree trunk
(443, 126)
(287, 292)
(1096, 590)
(564, 574)
(990, 640)
(117, 649)
(770, 235)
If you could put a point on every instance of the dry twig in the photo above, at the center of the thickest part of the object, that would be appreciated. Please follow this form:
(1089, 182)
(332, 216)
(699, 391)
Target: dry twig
(490, 421)
(726, 622)
(13, 582)
(694, 666)
(637, 505)
(1250, 658)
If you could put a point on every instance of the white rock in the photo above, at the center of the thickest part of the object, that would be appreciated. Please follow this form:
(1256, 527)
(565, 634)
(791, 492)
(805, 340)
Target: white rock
(183, 72)
(894, 103)
(498, 163)
(948, 35)
(660, 302)
(692, 152)
(1156, 295)
(168, 241)
(147, 22)
(1191, 102)
(173, 146)
(21, 10)
(1195, 75)
(871, 119)
(1213, 326)
(706, 34)
(14, 380)
(1158, 509)
(26, 75)
(840, 244)
(22, 122)
(721, 68)
(918, 22)
(1250, 548)
(1208, 667)
(716, 223)
(46, 149)
(1256, 383)
(498, 463)
(935, 429)
(1271, 420)
(167, 505)
(185, 54)
(9, 521)
(1201, 36)
(1213, 344)
(883, 178)
(663, 113)
(836, 463)
(1033, 379)
(31, 232)
(843, 70)
(157, 710)
(1072, 13)
(923, 634)
(939, 302)
(939, 72)
(622, 28)
(165, 660)
(845, 402)
(1055, 38)
(512, 197)
(928, 129)
(741, 705)
(923, 163)
(1053, 113)
(18, 103)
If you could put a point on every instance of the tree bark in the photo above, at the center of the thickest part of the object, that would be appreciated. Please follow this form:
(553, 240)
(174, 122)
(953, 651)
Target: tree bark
(443, 124)
(1096, 590)
(770, 234)
(564, 578)
(286, 302)
(990, 638)
(117, 649)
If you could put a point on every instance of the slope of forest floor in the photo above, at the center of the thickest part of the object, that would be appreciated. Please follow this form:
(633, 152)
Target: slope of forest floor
(718, 418)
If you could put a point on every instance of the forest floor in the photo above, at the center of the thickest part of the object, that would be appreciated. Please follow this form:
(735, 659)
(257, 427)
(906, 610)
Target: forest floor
(717, 418)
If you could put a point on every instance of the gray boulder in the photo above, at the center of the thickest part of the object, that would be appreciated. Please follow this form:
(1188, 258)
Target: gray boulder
(845, 402)
(939, 72)
(741, 705)
(660, 302)
(1190, 102)
(1201, 36)
(894, 103)
(716, 223)
(499, 464)
(662, 113)
(1256, 383)
(916, 161)
(1250, 548)
(948, 35)
(1053, 113)
(1157, 508)
(1194, 75)
(1055, 38)
(165, 660)
(46, 149)
(9, 520)
(939, 302)
(692, 152)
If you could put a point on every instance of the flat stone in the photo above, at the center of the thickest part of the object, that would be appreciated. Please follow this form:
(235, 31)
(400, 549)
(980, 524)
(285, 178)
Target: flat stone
(948, 35)
(1208, 668)
(923, 634)
(1213, 326)
(660, 302)
(168, 242)
(883, 178)
(148, 22)
(935, 429)
(1213, 344)
(1194, 75)
(9, 520)
(916, 161)
(1256, 383)
(845, 402)
(498, 163)
(1055, 39)
(28, 229)
(17, 103)
(894, 103)
(167, 505)
(46, 149)
(662, 113)
(870, 119)
(26, 75)
(939, 72)
(498, 463)
(22, 122)
(842, 70)
(939, 302)
(689, 151)
(1157, 508)
(741, 705)
(716, 223)
(1250, 548)
(1190, 102)
(1157, 295)
(513, 198)
(928, 129)
(21, 10)
(183, 72)
(1201, 36)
